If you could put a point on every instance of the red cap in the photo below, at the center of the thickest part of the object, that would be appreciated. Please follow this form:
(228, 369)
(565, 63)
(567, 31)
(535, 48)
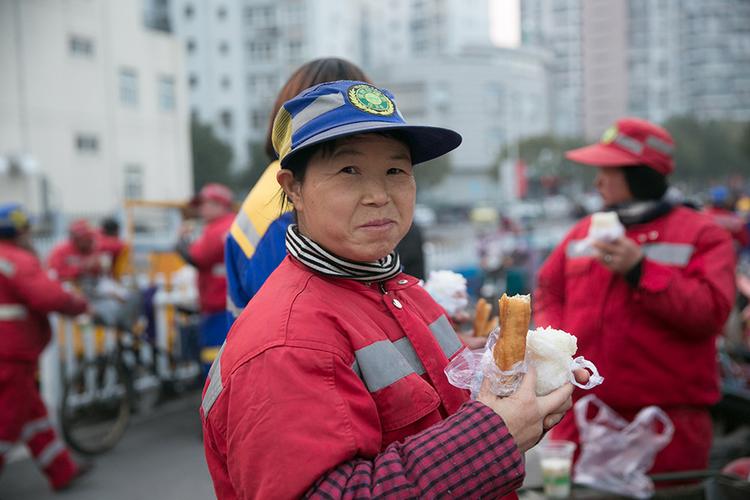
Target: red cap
(630, 141)
(80, 229)
(215, 192)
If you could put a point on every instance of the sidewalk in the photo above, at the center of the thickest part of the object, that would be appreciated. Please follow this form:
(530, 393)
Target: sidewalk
(160, 456)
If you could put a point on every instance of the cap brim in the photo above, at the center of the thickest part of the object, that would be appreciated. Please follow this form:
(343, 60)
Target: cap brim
(426, 143)
(601, 155)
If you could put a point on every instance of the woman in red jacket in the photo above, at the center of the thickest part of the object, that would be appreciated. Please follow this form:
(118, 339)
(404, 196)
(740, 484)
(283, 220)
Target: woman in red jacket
(331, 381)
(648, 306)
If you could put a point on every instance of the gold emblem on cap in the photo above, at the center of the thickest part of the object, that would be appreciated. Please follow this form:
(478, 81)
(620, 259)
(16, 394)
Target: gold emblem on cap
(609, 135)
(370, 100)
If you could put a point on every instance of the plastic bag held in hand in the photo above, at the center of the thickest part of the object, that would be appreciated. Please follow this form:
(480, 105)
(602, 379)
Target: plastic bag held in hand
(616, 455)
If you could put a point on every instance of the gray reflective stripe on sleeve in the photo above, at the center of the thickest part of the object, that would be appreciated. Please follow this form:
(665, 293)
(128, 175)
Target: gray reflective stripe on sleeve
(404, 347)
(5, 447)
(319, 106)
(7, 268)
(381, 364)
(34, 427)
(50, 453)
(233, 308)
(673, 254)
(219, 270)
(247, 228)
(446, 336)
(13, 312)
(214, 386)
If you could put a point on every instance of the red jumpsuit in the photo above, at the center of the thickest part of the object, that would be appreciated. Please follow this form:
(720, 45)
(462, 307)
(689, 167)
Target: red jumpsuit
(207, 255)
(70, 264)
(655, 343)
(26, 296)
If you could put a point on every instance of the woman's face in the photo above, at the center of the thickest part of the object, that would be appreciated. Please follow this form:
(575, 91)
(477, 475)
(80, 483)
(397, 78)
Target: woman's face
(356, 201)
(612, 186)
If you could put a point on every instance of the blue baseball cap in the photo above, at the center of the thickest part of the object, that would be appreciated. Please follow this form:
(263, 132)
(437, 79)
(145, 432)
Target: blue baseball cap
(13, 219)
(344, 108)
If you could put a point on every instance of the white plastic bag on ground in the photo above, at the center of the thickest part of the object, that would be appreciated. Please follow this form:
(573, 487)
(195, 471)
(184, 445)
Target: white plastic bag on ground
(616, 454)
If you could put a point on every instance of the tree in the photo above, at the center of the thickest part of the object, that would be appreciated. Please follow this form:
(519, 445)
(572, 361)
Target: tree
(212, 157)
(245, 179)
(545, 156)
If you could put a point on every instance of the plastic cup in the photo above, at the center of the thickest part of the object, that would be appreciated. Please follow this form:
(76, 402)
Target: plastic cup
(556, 462)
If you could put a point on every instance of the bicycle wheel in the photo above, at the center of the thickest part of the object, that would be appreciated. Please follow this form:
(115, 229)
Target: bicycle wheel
(96, 405)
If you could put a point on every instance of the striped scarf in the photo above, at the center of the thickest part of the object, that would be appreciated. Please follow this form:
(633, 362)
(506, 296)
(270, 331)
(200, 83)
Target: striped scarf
(321, 260)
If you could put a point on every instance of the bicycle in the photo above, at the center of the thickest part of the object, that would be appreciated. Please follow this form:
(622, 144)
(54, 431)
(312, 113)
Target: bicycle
(107, 386)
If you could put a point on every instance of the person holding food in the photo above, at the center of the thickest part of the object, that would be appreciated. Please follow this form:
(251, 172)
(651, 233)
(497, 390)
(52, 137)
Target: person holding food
(646, 289)
(331, 382)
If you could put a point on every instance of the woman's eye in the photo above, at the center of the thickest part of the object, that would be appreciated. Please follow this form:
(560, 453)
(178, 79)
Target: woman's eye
(395, 170)
(348, 170)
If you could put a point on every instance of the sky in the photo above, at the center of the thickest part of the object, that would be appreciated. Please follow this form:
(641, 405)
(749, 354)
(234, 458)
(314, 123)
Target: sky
(505, 25)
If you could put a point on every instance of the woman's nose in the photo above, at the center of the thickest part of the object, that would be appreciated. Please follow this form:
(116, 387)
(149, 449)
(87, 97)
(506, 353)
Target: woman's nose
(376, 192)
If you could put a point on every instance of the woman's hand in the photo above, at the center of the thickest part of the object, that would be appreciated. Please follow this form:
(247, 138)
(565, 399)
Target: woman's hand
(619, 256)
(527, 415)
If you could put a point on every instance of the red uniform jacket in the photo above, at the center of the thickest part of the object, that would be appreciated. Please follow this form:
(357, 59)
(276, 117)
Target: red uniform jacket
(655, 344)
(70, 264)
(207, 255)
(319, 371)
(26, 296)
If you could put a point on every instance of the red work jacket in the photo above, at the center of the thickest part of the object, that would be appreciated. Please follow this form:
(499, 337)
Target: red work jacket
(27, 294)
(317, 371)
(655, 344)
(69, 264)
(207, 254)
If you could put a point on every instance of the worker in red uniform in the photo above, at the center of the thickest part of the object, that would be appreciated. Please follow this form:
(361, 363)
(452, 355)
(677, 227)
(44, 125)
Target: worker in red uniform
(26, 296)
(79, 257)
(646, 307)
(720, 207)
(206, 254)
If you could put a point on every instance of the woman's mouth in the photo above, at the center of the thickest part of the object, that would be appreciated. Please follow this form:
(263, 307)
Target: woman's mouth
(378, 224)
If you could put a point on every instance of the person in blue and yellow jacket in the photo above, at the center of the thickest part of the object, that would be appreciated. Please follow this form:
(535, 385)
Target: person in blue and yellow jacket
(255, 245)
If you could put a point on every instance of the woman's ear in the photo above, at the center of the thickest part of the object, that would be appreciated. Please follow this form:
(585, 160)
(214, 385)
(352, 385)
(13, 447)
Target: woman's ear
(291, 186)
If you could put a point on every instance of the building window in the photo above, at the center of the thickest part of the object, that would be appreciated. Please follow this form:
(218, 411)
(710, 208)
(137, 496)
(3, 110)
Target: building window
(248, 13)
(166, 93)
(128, 87)
(295, 49)
(260, 51)
(87, 143)
(189, 11)
(133, 182)
(258, 119)
(224, 48)
(221, 12)
(191, 46)
(226, 83)
(193, 81)
(81, 46)
(226, 119)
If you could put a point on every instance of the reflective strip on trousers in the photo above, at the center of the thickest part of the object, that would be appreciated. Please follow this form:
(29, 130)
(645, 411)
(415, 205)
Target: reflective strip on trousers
(383, 363)
(50, 453)
(214, 386)
(671, 254)
(34, 427)
(13, 312)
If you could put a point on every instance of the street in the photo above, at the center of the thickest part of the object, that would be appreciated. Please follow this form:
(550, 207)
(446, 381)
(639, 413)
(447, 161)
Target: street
(160, 456)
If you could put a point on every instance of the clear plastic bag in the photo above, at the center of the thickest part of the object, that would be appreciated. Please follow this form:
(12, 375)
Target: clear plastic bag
(468, 369)
(616, 454)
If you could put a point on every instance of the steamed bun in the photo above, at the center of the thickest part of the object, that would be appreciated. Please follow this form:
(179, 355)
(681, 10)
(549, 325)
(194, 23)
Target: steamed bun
(551, 352)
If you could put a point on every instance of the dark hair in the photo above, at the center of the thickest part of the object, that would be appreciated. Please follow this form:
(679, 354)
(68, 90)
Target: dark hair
(323, 70)
(110, 226)
(645, 183)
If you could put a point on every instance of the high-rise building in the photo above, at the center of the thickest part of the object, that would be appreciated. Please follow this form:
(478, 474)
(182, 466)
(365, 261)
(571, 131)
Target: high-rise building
(652, 59)
(93, 107)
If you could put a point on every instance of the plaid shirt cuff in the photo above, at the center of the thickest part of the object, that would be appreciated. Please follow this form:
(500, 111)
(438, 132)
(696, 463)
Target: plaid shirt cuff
(468, 455)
